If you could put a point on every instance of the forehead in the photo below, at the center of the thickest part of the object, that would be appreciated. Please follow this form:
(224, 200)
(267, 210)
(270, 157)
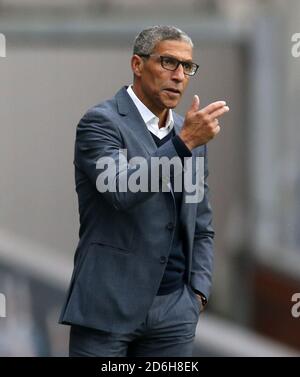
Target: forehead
(179, 49)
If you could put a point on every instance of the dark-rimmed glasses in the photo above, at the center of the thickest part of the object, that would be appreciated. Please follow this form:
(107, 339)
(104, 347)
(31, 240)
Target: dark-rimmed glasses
(171, 64)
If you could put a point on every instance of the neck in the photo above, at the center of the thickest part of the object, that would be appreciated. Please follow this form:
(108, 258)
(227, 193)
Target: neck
(163, 119)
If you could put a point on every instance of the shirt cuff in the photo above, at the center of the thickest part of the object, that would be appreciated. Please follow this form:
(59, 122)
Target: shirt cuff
(181, 149)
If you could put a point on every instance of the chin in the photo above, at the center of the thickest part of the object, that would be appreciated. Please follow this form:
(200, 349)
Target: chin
(171, 104)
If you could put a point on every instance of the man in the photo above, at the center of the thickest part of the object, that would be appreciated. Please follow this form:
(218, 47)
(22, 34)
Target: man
(143, 265)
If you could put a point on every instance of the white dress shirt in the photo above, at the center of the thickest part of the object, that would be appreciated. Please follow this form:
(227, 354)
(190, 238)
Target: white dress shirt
(150, 119)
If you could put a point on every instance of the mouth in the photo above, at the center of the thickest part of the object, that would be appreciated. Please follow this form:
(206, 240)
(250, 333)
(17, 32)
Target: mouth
(173, 91)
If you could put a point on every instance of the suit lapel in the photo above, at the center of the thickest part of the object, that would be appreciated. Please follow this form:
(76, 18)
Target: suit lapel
(127, 108)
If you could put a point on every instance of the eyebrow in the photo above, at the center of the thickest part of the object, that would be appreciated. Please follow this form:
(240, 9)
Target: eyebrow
(173, 57)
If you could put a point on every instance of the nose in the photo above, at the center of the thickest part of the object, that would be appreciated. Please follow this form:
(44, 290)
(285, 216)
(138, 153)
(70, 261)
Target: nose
(178, 74)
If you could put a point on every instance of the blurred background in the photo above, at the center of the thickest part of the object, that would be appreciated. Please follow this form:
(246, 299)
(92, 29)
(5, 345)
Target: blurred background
(62, 57)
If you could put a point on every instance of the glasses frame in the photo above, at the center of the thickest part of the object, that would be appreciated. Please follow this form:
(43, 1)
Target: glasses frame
(182, 62)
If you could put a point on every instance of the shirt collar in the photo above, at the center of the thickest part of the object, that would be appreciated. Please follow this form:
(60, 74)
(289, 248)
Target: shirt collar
(147, 115)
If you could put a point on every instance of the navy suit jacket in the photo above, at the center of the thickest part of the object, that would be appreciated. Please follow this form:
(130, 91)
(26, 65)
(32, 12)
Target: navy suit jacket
(124, 236)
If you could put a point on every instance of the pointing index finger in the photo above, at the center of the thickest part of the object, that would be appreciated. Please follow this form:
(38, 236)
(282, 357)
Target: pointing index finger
(214, 106)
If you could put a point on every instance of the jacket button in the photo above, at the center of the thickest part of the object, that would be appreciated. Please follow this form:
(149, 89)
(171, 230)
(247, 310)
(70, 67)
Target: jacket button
(163, 260)
(170, 226)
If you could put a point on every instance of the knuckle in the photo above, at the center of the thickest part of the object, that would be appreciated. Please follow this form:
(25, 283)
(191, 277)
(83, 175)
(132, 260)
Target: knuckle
(189, 117)
(206, 118)
(200, 114)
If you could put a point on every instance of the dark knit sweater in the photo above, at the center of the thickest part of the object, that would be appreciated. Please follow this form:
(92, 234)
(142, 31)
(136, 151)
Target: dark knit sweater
(175, 272)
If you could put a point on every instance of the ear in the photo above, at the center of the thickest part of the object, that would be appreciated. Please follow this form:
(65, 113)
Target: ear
(137, 64)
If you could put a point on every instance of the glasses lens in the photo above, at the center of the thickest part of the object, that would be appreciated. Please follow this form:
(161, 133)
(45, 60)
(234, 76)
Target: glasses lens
(189, 68)
(169, 63)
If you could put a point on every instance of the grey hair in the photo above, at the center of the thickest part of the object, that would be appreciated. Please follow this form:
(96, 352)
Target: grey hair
(147, 39)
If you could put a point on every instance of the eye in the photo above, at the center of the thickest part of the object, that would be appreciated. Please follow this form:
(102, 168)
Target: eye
(187, 66)
(170, 61)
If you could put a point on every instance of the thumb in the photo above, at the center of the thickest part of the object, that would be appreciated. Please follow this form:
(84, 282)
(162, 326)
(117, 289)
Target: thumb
(195, 103)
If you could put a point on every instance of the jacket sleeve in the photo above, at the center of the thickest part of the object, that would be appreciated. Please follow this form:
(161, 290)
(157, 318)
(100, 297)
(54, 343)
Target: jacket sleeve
(100, 153)
(203, 253)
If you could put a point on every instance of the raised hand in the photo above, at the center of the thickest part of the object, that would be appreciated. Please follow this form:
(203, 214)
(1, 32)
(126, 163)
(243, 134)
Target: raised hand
(200, 126)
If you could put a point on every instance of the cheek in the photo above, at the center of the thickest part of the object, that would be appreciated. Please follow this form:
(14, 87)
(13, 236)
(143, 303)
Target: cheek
(155, 88)
(153, 82)
(160, 78)
(158, 82)
(186, 82)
